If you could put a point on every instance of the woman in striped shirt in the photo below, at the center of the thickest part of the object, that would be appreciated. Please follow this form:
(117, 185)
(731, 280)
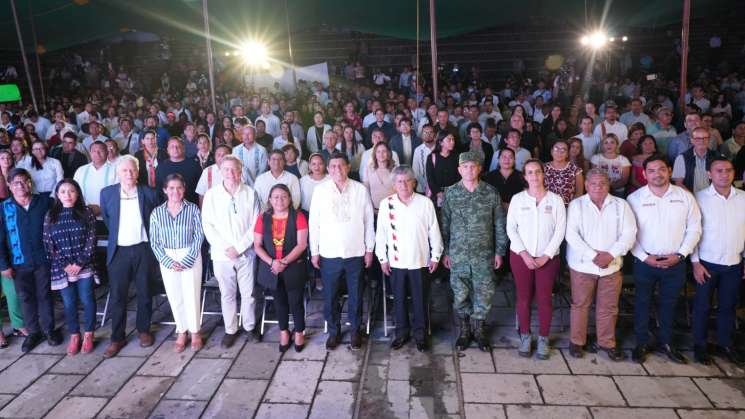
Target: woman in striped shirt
(176, 238)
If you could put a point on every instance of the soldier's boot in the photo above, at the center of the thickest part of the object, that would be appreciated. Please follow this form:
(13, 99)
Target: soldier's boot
(464, 337)
(480, 335)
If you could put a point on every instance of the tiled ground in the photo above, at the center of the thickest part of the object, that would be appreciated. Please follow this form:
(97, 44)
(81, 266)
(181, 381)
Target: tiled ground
(253, 380)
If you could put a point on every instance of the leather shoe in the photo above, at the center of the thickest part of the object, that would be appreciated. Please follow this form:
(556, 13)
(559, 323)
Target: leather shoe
(356, 341)
(701, 355)
(615, 354)
(332, 342)
(640, 354)
(421, 345)
(576, 350)
(731, 354)
(399, 342)
(31, 341)
(228, 340)
(672, 354)
(114, 348)
(54, 337)
(254, 336)
(146, 340)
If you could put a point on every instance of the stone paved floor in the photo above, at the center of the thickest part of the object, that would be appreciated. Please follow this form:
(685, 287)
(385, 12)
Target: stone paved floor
(253, 380)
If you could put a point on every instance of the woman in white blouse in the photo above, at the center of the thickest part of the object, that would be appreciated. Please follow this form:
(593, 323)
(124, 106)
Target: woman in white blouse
(536, 221)
(45, 171)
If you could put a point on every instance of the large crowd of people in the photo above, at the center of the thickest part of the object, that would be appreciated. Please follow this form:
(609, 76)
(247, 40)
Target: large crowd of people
(341, 185)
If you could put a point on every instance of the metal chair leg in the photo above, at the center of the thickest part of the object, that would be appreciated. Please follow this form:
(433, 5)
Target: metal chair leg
(105, 308)
(385, 309)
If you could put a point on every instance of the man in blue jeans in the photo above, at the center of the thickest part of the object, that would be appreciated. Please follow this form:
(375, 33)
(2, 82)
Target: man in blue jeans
(669, 227)
(717, 261)
(342, 239)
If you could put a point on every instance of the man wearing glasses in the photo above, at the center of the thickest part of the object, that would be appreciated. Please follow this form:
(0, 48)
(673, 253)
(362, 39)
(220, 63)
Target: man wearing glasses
(689, 170)
(229, 213)
(22, 257)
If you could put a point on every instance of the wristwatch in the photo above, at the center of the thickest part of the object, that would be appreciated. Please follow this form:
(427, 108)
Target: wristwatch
(680, 256)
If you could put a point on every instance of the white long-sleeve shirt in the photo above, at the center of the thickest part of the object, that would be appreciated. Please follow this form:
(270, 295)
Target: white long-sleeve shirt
(723, 224)
(666, 225)
(46, 178)
(408, 236)
(419, 165)
(264, 183)
(228, 220)
(255, 160)
(536, 228)
(341, 223)
(611, 229)
(92, 180)
(307, 187)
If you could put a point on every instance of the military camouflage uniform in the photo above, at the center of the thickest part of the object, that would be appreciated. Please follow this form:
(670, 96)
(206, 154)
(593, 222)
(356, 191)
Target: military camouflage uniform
(473, 232)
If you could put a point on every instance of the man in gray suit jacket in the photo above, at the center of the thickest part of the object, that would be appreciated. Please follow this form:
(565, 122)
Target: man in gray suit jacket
(405, 142)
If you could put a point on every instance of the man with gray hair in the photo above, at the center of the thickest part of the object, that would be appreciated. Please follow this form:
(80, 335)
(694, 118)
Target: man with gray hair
(252, 155)
(408, 245)
(601, 229)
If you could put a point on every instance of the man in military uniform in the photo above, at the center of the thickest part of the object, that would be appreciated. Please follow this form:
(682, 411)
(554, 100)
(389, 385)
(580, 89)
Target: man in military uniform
(475, 241)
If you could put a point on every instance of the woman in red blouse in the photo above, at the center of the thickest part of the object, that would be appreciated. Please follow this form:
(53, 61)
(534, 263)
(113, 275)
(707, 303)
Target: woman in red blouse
(280, 242)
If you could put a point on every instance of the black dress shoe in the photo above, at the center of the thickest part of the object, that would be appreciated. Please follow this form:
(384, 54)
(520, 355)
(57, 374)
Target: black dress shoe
(672, 354)
(421, 345)
(31, 341)
(228, 340)
(615, 354)
(731, 354)
(356, 341)
(576, 350)
(701, 355)
(254, 336)
(54, 337)
(640, 354)
(399, 342)
(332, 342)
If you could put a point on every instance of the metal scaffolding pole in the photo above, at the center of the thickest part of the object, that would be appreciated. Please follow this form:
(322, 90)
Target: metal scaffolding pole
(23, 54)
(684, 53)
(38, 58)
(210, 62)
(289, 45)
(433, 45)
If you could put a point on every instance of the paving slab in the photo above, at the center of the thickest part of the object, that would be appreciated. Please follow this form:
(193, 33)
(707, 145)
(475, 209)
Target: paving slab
(632, 413)
(290, 382)
(133, 348)
(5, 399)
(475, 361)
(25, 371)
(236, 399)
(585, 390)
(137, 398)
(508, 361)
(11, 354)
(445, 398)
(165, 362)
(660, 365)
(547, 412)
(404, 360)
(200, 379)
(500, 388)
(397, 397)
(661, 392)
(78, 364)
(78, 407)
(255, 361)
(343, 364)
(108, 377)
(599, 364)
(726, 393)
(422, 407)
(484, 411)
(41, 396)
(182, 409)
(710, 414)
(334, 396)
(730, 369)
(213, 349)
(282, 411)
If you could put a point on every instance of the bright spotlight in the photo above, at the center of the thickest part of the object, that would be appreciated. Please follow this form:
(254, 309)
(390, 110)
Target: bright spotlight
(611, 39)
(625, 38)
(227, 53)
(254, 53)
(598, 40)
(584, 40)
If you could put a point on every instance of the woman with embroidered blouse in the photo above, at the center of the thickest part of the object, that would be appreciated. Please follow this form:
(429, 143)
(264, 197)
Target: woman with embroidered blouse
(69, 241)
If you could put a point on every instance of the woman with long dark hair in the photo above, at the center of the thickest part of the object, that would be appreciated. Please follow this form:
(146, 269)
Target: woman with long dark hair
(46, 172)
(70, 240)
(280, 242)
(442, 167)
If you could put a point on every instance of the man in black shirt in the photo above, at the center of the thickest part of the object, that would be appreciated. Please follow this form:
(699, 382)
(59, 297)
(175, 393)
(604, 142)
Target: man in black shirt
(178, 163)
(70, 158)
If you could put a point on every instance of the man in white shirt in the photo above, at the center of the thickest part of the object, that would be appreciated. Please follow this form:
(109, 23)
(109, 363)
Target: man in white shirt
(601, 229)
(689, 168)
(590, 141)
(95, 135)
(342, 239)
(408, 245)
(635, 115)
(129, 141)
(298, 132)
(252, 156)
(419, 161)
(717, 262)
(85, 116)
(662, 130)
(95, 176)
(271, 120)
(669, 227)
(229, 213)
(40, 123)
(475, 242)
(212, 176)
(489, 112)
(277, 174)
(610, 124)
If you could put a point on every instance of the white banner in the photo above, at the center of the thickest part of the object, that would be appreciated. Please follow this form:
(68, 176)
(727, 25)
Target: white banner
(316, 72)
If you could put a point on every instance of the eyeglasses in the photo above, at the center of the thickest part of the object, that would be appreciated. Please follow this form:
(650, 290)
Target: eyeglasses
(19, 183)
